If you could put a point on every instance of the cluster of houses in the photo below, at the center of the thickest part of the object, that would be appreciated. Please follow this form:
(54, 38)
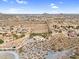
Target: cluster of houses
(67, 30)
(11, 33)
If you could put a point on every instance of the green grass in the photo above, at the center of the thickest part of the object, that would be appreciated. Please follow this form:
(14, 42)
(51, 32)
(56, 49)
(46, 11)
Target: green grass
(74, 57)
(23, 35)
(15, 36)
(40, 34)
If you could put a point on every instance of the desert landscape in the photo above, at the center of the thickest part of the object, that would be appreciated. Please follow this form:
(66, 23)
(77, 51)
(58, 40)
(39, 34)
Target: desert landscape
(40, 36)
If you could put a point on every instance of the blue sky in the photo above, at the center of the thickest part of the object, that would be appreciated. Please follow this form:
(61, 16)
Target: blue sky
(39, 6)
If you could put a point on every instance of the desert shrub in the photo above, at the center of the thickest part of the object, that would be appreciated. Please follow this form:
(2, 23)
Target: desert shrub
(1, 41)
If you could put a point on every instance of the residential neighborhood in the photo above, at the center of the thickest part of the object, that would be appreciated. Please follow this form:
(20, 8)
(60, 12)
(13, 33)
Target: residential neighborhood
(38, 36)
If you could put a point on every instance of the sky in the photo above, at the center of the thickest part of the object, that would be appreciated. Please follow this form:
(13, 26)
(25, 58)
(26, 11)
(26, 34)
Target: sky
(39, 6)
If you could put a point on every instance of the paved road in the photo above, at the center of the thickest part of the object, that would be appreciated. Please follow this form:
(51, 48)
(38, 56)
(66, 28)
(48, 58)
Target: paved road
(8, 55)
(60, 55)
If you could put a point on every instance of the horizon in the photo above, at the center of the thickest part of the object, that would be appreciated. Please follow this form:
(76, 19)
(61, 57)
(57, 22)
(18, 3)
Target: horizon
(39, 13)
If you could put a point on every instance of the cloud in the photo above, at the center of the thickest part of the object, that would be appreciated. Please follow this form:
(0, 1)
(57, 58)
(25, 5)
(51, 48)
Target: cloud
(18, 1)
(21, 1)
(14, 11)
(5, 0)
(54, 6)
